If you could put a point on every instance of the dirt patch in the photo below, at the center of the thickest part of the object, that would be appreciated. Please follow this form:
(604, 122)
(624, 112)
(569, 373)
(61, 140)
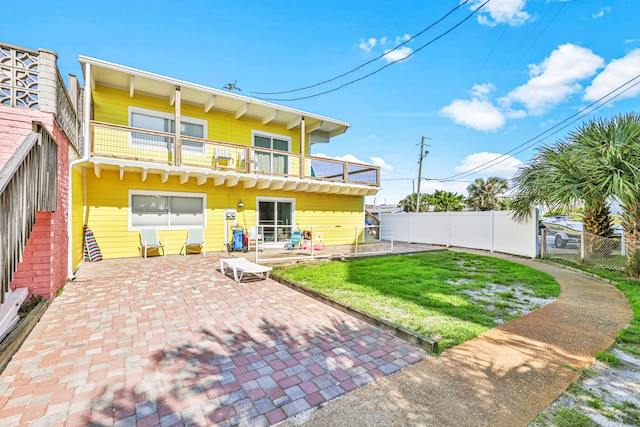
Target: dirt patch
(507, 302)
(603, 396)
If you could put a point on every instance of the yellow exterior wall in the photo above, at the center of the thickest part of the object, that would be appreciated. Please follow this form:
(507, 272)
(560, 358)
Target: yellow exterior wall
(108, 212)
(77, 220)
(112, 106)
(334, 217)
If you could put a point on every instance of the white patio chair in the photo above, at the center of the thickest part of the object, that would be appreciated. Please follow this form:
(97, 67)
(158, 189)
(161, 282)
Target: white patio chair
(194, 242)
(149, 241)
(255, 238)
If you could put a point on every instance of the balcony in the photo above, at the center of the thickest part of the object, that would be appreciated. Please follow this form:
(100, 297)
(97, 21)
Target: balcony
(114, 146)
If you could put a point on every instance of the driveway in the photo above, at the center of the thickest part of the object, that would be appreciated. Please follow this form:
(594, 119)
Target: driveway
(171, 341)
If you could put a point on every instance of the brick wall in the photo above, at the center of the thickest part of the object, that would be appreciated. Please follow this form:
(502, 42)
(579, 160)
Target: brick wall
(44, 264)
(15, 125)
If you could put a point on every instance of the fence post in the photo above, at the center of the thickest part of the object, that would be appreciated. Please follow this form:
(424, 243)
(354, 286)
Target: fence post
(448, 228)
(623, 245)
(543, 243)
(356, 240)
(312, 244)
(493, 229)
(582, 245)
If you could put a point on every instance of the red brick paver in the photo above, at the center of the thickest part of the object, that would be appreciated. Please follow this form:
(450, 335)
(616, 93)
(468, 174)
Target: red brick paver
(171, 341)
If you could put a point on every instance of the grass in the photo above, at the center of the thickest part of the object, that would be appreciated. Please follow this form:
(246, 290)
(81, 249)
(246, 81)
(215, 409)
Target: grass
(572, 418)
(609, 358)
(429, 293)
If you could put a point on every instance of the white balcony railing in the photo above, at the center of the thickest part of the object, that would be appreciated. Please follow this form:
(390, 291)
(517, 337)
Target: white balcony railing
(122, 142)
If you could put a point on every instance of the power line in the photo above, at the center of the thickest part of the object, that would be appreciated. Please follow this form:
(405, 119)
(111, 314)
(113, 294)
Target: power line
(539, 35)
(500, 38)
(382, 68)
(368, 62)
(532, 141)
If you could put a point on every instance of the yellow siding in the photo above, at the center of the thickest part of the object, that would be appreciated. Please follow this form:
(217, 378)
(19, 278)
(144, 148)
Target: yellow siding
(112, 106)
(107, 205)
(77, 220)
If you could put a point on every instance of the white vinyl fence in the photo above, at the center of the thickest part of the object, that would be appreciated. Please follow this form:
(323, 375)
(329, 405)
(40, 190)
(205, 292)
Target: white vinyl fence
(495, 231)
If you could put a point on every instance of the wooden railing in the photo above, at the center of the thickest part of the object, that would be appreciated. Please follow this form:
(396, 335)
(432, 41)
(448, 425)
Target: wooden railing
(122, 142)
(28, 184)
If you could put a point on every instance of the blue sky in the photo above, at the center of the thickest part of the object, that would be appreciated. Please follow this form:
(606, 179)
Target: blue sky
(492, 85)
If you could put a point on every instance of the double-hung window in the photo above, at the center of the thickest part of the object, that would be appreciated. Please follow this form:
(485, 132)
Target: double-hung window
(164, 122)
(165, 210)
(270, 161)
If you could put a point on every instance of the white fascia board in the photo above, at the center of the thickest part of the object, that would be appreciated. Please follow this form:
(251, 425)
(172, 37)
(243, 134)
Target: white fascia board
(218, 92)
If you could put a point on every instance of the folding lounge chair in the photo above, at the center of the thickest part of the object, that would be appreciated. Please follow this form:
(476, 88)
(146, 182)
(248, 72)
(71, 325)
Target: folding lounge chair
(295, 240)
(241, 266)
(194, 242)
(149, 241)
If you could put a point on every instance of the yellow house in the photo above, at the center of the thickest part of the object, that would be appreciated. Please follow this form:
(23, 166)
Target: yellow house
(172, 155)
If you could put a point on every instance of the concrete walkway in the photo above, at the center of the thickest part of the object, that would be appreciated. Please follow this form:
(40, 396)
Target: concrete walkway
(505, 377)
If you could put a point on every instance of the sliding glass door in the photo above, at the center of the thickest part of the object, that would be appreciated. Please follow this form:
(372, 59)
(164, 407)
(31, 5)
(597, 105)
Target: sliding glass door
(276, 219)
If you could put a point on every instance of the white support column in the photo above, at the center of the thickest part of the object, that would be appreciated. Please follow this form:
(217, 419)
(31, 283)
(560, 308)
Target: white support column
(303, 144)
(47, 80)
(86, 110)
(178, 143)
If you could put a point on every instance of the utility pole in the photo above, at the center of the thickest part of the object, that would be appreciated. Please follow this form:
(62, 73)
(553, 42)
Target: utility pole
(423, 154)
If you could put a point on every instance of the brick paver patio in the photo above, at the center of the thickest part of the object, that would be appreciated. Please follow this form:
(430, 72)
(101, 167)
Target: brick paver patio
(171, 341)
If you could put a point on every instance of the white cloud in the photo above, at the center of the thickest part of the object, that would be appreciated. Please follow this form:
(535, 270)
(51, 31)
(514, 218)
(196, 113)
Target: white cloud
(379, 161)
(556, 78)
(601, 13)
(506, 168)
(482, 90)
(398, 54)
(496, 12)
(387, 46)
(476, 114)
(402, 39)
(615, 74)
(367, 45)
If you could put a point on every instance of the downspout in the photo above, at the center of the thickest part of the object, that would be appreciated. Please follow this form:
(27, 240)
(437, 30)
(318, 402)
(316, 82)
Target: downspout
(84, 158)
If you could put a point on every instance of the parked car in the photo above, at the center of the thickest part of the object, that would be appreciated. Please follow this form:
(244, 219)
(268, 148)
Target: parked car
(563, 230)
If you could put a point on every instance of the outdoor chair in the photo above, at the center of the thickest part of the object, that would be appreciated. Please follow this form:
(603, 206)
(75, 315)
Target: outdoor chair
(225, 157)
(295, 241)
(149, 241)
(255, 238)
(194, 242)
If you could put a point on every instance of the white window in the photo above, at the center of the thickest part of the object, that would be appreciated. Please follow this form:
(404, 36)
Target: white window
(164, 122)
(164, 210)
(267, 161)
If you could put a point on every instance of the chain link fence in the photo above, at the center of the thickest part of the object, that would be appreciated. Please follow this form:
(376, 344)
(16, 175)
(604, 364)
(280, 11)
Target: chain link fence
(607, 253)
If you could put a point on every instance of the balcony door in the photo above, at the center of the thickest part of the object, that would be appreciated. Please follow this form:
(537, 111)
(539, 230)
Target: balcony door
(268, 161)
(275, 216)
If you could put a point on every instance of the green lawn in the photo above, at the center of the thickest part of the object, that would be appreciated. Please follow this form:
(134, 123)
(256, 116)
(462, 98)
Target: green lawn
(436, 294)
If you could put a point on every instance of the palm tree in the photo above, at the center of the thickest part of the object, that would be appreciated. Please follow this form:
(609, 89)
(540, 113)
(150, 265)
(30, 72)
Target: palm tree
(599, 160)
(616, 167)
(485, 195)
(558, 180)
